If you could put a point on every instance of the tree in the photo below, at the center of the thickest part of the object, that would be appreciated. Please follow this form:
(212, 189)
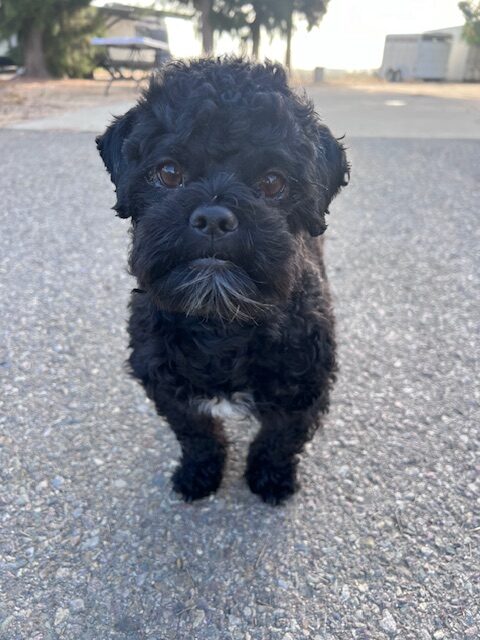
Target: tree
(51, 33)
(247, 18)
(205, 8)
(312, 10)
(471, 30)
(219, 16)
(266, 14)
(68, 49)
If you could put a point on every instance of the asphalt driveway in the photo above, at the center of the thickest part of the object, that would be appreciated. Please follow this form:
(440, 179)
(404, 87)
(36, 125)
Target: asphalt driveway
(383, 539)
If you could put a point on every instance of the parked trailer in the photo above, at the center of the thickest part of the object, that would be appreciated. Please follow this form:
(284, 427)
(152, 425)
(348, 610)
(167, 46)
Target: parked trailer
(416, 57)
(464, 59)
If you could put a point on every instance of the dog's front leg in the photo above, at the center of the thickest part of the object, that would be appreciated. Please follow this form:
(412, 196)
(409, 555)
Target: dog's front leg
(273, 455)
(204, 447)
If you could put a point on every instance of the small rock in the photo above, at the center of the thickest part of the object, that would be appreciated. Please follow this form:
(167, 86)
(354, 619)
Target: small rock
(6, 623)
(43, 484)
(426, 551)
(60, 616)
(90, 543)
(345, 595)
(77, 605)
(57, 482)
(127, 624)
(120, 484)
(234, 621)
(142, 408)
(388, 623)
(198, 618)
(439, 634)
(140, 579)
(22, 498)
(74, 540)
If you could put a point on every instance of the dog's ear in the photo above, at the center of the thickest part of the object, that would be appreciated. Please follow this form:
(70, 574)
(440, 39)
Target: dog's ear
(332, 173)
(110, 143)
(111, 146)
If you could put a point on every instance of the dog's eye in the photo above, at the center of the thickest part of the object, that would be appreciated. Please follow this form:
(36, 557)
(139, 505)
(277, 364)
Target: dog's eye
(170, 174)
(273, 185)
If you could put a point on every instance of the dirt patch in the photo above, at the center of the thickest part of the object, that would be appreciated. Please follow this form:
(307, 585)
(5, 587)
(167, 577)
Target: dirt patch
(22, 100)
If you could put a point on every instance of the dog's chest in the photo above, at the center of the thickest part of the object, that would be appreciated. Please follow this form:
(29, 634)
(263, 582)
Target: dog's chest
(212, 358)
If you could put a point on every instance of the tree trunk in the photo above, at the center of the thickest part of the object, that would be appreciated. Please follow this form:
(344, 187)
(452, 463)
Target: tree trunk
(288, 53)
(34, 56)
(255, 29)
(207, 29)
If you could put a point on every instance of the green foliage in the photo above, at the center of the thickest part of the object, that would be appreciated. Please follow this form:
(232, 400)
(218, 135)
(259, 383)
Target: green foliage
(471, 30)
(65, 27)
(223, 15)
(241, 15)
(312, 10)
(67, 44)
(246, 18)
(15, 14)
(271, 14)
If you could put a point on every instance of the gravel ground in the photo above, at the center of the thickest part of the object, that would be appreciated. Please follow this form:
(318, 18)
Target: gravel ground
(382, 541)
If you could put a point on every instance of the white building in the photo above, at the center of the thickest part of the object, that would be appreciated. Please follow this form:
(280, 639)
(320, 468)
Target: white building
(6, 45)
(434, 55)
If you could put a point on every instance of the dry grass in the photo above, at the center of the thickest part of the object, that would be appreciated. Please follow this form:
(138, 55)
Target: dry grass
(26, 100)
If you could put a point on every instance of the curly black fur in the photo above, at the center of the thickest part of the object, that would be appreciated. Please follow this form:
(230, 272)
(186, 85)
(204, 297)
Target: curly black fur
(246, 312)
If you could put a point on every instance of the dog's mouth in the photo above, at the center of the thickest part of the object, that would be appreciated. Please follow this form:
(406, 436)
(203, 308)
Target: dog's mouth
(212, 288)
(210, 261)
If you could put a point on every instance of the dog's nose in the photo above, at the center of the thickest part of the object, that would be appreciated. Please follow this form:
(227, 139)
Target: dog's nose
(213, 220)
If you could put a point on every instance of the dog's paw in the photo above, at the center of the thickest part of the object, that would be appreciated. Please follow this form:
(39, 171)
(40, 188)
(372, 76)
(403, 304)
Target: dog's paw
(194, 480)
(273, 484)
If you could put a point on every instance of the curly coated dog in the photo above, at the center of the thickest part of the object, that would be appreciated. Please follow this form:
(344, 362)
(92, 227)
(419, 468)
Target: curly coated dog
(226, 175)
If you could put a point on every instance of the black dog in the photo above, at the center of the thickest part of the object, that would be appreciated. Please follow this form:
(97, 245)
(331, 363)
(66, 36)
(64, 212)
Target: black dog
(227, 176)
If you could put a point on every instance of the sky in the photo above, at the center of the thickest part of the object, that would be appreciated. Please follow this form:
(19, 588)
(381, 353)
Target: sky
(351, 35)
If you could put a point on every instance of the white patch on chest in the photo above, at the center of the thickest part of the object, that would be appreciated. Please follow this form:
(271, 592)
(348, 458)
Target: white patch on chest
(238, 407)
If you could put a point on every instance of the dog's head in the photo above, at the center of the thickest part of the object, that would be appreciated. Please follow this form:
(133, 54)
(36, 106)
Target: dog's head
(223, 171)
